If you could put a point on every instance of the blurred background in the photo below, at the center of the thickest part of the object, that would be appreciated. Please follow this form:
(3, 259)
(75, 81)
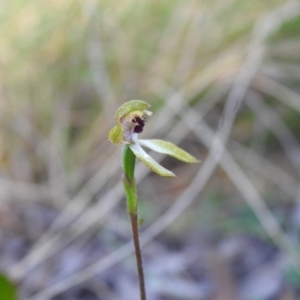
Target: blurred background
(222, 78)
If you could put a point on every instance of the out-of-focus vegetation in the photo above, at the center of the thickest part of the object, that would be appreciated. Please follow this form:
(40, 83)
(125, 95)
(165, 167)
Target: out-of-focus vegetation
(65, 66)
(8, 290)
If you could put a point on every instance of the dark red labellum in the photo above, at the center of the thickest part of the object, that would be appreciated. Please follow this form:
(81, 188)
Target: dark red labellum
(140, 124)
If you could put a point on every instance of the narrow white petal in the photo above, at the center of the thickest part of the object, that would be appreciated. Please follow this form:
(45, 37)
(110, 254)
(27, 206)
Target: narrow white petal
(149, 161)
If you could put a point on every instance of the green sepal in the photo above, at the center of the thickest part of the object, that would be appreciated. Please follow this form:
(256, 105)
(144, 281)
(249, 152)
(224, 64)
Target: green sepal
(149, 161)
(169, 149)
(115, 135)
(130, 106)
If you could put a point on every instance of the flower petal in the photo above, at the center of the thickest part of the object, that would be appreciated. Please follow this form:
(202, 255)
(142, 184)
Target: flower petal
(170, 149)
(130, 106)
(149, 161)
(115, 135)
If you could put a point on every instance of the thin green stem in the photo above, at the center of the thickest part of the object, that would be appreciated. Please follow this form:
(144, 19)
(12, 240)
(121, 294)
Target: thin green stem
(132, 207)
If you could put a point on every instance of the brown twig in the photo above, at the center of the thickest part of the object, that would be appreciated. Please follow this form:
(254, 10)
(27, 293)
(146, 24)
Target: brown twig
(138, 253)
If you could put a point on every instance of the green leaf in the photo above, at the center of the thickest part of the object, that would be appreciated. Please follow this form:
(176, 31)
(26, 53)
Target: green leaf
(7, 289)
(130, 106)
(149, 161)
(170, 149)
(115, 135)
(128, 162)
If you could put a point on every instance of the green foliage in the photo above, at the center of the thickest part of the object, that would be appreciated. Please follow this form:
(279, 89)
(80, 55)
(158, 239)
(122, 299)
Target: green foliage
(128, 164)
(290, 29)
(292, 120)
(7, 289)
(244, 221)
(292, 276)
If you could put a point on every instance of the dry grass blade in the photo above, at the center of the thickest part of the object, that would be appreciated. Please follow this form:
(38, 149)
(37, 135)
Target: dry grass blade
(270, 118)
(277, 91)
(253, 198)
(259, 164)
(101, 78)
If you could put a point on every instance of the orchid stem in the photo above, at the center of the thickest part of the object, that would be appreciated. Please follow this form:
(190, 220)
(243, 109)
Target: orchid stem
(132, 207)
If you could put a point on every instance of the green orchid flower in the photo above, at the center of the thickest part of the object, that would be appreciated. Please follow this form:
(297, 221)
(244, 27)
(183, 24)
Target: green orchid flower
(131, 118)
